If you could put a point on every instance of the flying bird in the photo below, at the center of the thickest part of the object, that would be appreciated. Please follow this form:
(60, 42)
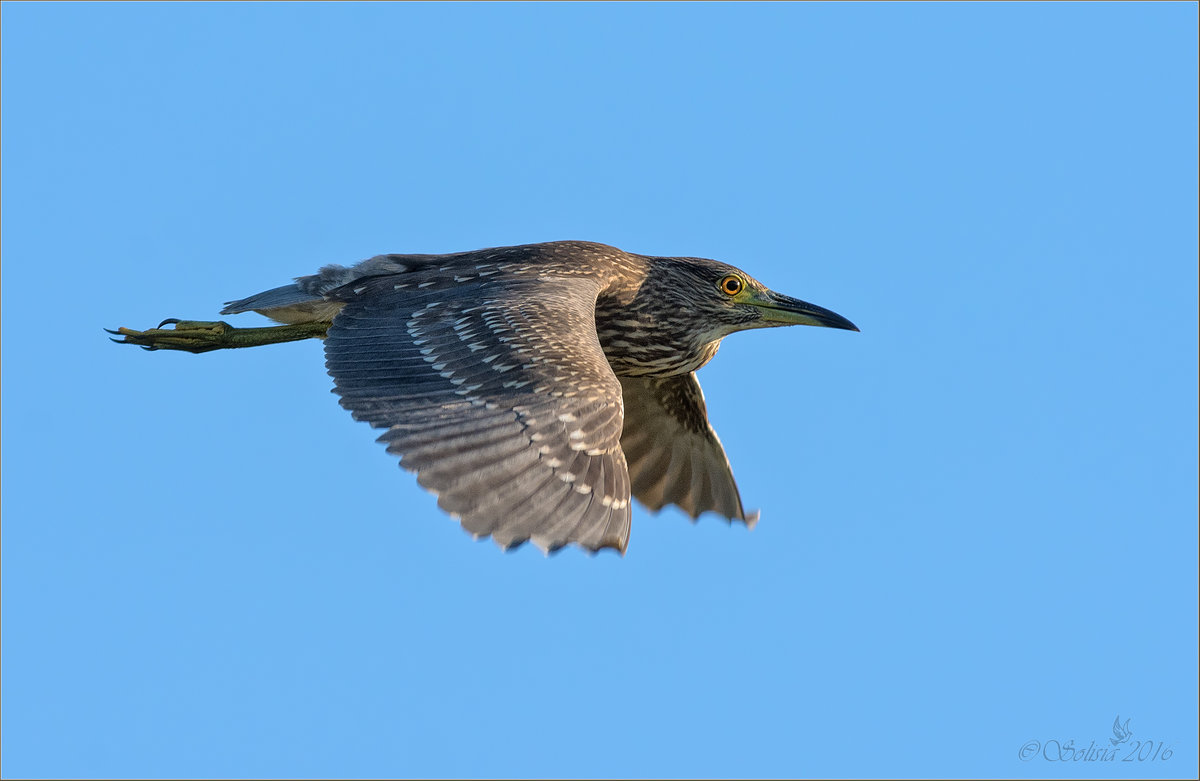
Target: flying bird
(534, 389)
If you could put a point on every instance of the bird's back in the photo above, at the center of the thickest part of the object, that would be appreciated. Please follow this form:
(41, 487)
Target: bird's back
(308, 298)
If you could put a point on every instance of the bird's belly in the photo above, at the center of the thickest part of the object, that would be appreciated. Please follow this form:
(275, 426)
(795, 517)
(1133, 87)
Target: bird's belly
(307, 312)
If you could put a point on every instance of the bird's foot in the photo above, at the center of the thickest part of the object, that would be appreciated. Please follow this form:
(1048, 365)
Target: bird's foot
(189, 335)
(196, 336)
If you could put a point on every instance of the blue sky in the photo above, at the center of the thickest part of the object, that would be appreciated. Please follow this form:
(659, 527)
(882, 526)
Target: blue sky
(978, 515)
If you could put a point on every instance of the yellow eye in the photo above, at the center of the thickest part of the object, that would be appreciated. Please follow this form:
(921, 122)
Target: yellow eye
(731, 285)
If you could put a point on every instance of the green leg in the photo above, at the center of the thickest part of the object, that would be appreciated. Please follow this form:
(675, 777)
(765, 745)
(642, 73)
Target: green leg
(199, 337)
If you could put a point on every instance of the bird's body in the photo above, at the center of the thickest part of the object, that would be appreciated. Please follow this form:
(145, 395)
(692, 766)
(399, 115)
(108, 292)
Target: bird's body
(536, 388)
(632, 324)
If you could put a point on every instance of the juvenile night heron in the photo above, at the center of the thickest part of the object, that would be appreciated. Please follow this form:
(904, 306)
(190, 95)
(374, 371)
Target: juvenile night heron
(533, 389)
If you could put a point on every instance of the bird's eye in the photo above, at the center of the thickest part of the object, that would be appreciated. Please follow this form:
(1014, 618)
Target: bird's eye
(731, 285)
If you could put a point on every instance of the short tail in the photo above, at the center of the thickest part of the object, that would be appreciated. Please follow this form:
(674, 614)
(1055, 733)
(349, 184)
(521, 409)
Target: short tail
(276, 298)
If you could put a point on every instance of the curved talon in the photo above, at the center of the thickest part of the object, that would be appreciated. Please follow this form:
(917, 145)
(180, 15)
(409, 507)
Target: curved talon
(169, 321)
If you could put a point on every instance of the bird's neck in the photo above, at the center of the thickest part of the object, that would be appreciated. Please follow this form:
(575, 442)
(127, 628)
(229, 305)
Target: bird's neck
(637, 343)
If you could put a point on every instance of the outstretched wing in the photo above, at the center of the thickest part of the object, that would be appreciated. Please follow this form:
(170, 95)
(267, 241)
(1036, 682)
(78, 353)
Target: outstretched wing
(673, 453)
(497, 394)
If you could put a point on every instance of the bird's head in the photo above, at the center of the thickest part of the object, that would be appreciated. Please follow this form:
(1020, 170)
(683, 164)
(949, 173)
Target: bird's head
(716, 299)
